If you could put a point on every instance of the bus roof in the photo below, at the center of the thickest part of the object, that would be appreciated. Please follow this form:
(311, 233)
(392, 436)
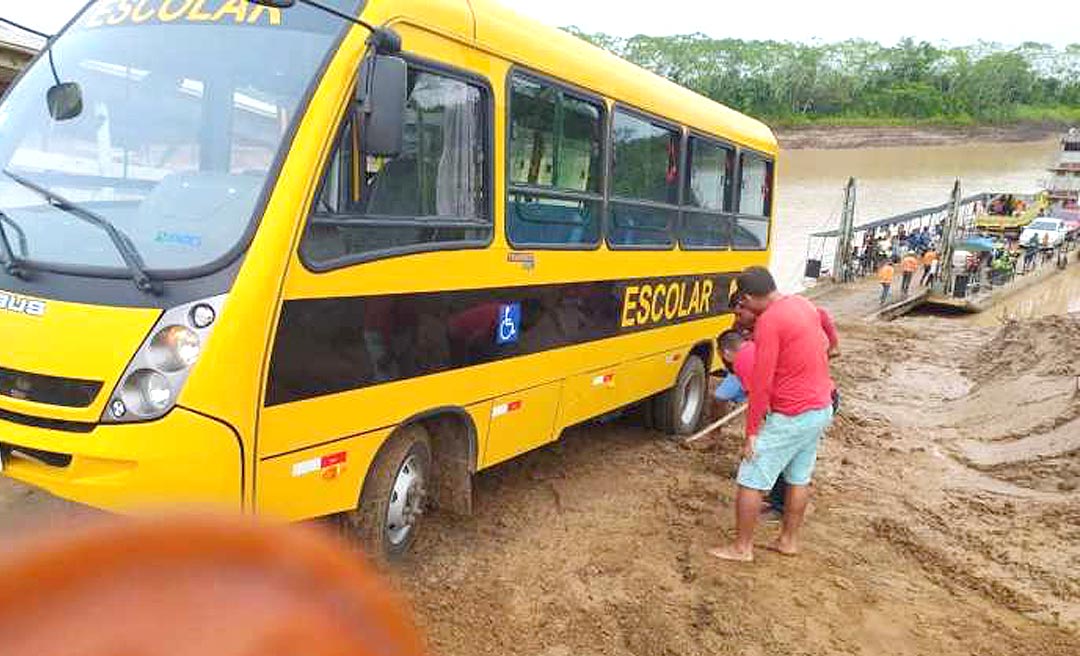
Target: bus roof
(554, 52)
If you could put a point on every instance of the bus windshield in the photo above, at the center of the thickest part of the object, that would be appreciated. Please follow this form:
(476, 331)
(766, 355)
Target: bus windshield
(185, 106)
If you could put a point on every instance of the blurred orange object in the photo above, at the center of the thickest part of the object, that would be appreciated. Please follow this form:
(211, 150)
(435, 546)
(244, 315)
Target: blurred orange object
(196, 587)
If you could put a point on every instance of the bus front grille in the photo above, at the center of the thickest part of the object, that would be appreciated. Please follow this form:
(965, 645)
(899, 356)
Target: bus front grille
(52, 390)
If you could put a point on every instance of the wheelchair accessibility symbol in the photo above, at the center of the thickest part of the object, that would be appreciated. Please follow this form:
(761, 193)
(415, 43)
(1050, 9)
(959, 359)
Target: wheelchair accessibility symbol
(506, 331)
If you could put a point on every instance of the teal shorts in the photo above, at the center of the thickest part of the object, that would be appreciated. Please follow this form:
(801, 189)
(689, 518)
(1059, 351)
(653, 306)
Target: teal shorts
(785, 445)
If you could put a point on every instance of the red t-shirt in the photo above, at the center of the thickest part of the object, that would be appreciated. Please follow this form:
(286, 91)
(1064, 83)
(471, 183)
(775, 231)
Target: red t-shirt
(744, 364)
(791, 363)
(829, 327)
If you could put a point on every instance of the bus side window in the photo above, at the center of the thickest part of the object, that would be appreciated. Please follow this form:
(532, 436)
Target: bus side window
(644, 183)
(707, 212)
(433, 195)
(556, 165)
(755, 202)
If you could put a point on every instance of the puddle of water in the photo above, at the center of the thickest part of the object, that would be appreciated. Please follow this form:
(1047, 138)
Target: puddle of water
(1058, 294)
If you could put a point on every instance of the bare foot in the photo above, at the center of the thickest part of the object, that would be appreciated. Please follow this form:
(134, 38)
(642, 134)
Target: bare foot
(729, 552)
(782, 549)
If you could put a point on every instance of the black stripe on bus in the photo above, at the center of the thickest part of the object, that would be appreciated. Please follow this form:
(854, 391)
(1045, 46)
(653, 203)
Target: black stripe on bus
(331, 345)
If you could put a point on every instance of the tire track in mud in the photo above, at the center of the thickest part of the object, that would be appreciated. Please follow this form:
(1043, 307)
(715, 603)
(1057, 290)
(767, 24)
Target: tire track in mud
(1071, 413)
(1020, 574)
(1059, 442)
(947, 571)
(1059, 475)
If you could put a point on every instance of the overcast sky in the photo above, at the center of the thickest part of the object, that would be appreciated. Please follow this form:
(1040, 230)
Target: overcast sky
(958, 22)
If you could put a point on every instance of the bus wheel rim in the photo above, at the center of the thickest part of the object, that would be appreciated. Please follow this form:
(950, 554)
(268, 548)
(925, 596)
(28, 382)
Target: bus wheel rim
(406, 498)
(692, 394)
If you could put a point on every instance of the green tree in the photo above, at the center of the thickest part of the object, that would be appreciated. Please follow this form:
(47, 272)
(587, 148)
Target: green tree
(858, 78)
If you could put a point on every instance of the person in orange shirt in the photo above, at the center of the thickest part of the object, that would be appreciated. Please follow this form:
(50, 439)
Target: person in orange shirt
(928, 259)
(885, 277)
(908, 266)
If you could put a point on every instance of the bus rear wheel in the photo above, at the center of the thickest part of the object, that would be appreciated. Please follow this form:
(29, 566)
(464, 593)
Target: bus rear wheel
(393, 500)
(679, 410)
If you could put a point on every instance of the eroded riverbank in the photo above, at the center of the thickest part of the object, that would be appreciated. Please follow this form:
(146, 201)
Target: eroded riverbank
(836, 137)
(1059, 295)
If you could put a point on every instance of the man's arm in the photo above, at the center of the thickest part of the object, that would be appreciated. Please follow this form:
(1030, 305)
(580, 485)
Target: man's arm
(830, 331)
(730, 389)
(767, 351)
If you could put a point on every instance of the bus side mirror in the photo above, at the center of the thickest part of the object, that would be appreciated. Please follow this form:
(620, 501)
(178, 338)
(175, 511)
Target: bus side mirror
(64, 100)
(384, 79)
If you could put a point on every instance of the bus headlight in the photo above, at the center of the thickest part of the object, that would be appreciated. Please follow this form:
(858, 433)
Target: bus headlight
(152, 383)
(146, 393)
(174, 348)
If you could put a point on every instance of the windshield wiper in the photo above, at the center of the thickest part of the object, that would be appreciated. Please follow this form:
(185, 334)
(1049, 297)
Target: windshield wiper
(11, 263)
(128, 253)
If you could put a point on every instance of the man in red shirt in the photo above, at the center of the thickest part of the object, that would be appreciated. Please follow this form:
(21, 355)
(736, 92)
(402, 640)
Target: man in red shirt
(790, 407)
(744, 326)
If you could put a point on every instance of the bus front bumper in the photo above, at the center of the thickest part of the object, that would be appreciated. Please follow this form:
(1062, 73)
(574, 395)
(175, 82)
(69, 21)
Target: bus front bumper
(183, 459)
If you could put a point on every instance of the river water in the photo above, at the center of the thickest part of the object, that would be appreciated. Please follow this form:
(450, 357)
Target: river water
(890, 181)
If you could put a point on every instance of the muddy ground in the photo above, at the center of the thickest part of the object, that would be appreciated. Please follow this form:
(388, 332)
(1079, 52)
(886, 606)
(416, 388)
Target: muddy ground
(946, 520)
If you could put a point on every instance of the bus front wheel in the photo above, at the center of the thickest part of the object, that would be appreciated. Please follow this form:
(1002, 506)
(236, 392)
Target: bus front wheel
(394, 495)
(679, 410)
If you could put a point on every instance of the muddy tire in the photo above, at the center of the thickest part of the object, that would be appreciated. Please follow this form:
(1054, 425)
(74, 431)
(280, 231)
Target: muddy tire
(389, 513)
(648, 414)
(679, 410)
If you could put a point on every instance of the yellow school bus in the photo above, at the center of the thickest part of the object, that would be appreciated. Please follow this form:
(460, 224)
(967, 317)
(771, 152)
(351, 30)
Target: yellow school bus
(265, 257)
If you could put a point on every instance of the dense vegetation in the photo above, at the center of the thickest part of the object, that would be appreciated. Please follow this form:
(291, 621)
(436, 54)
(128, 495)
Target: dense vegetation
(860, 81)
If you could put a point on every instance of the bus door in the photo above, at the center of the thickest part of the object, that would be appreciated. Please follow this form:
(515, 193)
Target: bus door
(386, 263)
